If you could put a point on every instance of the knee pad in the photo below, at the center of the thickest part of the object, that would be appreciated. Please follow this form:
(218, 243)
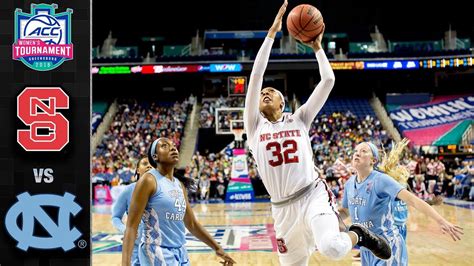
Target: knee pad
(335, 246)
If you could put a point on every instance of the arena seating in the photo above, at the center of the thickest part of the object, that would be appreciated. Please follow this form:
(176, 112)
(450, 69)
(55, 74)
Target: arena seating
(134, 127)
(98, 111)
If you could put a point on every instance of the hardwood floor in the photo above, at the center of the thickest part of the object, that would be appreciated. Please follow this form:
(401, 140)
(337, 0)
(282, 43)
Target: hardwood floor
(246, 232)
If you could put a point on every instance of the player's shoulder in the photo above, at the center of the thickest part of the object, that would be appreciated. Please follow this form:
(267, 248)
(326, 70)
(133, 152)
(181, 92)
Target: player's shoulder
(260, 123)
(130, 187)
(291, 118)
(295, 118)
(383, 181)
(350, 180)
(147, 179)
(148, 175)
(380, 175)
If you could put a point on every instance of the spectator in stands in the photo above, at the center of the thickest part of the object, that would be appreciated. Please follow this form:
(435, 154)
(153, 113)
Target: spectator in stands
(442, 185)
(334, 136)
(430, 171)
(340, 169)
(424, 165)
(449, 186)
(419, 187)
(431, 176)
(132, 129)
(413, 166)
(204, 186)
(471, 179)
(335, 188)
(193, 175)
(467, 183)
(439, 166)
(115, 181)
(461, 183)
(221, 186)
(457, 163)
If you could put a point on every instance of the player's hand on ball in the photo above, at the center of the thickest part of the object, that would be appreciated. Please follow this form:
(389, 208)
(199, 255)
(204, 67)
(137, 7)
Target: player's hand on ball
(316, 43)
(276, 27)
(227, 259)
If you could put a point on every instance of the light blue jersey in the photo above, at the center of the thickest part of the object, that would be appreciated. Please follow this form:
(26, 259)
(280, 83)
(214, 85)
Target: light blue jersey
(370, 204)
(163, 237)
(400, 215)
(121, 206)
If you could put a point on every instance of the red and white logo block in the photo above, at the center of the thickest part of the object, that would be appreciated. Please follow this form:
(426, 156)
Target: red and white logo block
(37, 108)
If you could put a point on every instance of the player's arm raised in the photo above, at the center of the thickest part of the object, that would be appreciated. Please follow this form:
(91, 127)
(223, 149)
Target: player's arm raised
(308, 111)
(446, 227)
(251, 111)
(145, 187)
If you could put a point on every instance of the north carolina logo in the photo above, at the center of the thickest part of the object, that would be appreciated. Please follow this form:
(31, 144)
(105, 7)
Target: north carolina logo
(43, 38)
(30, 209)
(174, 194)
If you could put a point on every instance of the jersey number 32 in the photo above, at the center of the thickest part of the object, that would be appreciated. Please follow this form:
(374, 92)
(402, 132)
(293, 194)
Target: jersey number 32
(283, 157)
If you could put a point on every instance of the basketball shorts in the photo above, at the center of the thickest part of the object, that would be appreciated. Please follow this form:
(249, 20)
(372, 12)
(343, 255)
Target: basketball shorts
(300, 224)
(153, 255)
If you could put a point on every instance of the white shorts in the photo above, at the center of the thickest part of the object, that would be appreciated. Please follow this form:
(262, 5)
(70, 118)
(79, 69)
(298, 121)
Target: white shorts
(294, 223)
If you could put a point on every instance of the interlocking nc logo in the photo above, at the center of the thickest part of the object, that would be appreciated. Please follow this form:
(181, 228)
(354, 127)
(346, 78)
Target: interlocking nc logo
(30, 208)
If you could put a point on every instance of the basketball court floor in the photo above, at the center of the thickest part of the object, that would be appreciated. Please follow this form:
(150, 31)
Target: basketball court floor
(246, 232)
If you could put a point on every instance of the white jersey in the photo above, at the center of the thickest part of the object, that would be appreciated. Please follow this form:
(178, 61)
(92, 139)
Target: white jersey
(282, 151)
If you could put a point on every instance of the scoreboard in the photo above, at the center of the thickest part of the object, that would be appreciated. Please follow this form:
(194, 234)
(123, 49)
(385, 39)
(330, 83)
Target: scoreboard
(237, 86)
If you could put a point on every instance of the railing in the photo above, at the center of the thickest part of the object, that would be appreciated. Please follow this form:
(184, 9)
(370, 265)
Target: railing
(468, 136)
(384, 118)
(186, 50)
(104, 126)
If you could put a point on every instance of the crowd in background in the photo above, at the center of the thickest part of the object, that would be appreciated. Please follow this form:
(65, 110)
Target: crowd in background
(208, 110)
(212, 172)
(134, 127)
(333, 138)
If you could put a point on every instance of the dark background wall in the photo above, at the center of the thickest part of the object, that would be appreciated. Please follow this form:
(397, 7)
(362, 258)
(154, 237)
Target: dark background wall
(401, 20)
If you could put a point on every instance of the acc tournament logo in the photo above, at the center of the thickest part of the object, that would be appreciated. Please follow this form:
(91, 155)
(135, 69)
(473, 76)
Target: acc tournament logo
(43, 38)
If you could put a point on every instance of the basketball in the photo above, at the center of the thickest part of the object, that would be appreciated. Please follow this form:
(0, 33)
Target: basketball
(305, 22)
(34, 29)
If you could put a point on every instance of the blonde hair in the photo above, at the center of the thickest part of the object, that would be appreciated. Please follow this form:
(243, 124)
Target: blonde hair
(390, 163)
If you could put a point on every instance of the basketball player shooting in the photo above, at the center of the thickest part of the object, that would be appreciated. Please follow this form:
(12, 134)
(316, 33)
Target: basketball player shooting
(303, 215)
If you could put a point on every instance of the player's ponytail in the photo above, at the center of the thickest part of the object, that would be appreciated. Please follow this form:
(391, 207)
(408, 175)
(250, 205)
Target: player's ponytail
(390, 163)
(188, 183)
